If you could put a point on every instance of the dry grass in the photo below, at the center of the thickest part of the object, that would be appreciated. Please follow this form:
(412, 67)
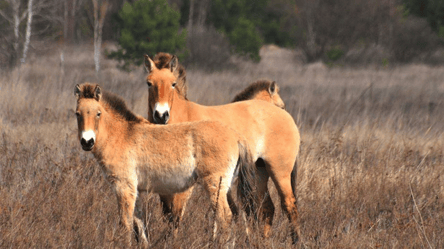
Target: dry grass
(370, 170)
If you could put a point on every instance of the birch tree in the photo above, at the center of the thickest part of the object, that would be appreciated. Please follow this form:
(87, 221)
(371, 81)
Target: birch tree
(28, 32)
(15, 38)
(100, 9)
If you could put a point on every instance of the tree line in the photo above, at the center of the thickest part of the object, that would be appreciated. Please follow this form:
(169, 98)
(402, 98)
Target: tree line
(323, 29)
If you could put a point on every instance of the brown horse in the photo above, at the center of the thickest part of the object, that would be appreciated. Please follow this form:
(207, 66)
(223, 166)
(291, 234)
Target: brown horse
(261, 90)
(271, 134)
(137, 156)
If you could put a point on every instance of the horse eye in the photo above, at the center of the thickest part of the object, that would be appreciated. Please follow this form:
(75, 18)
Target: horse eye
(98, 114)
(149, 84)
(174, 84)
(78, 114)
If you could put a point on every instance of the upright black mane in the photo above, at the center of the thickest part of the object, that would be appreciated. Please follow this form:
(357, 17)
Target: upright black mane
(249, 92)
(116, 103)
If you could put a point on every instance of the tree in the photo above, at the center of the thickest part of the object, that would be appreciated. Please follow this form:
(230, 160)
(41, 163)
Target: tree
(238, 19)
(15, 38)
(28, 32)
(246, 39)
(100, 9)
(148, 26)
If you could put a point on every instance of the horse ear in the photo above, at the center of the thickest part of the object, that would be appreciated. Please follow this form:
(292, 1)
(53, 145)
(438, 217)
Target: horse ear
(173, 63)
(149, 64)
(97, 93)
(272, 88)
(77, 91)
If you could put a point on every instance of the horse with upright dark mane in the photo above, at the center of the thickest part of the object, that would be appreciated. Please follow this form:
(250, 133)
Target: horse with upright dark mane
(261, 90)
(137, 156)
(270, 132)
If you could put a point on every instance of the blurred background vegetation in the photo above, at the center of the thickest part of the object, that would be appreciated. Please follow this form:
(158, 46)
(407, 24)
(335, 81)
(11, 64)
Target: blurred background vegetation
(208, 32)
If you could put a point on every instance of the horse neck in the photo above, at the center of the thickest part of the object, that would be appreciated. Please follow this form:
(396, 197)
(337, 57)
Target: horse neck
(180, 109)
(112, 133)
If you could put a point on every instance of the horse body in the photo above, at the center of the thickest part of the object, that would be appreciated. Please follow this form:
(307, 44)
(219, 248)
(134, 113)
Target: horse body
(138, 156)
(270, 133)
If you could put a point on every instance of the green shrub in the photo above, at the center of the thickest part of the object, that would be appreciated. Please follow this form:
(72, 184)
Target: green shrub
(246, 39)
(147, 27)
(335, 53)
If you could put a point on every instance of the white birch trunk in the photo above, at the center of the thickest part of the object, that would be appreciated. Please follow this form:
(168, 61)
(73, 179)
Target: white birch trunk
(28, 32)
(99, 19)
(15, 13)
(96, 35)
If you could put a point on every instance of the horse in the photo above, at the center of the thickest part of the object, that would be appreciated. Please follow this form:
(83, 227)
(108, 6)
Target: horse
(138, 156)
(262, 90)
(270, 132)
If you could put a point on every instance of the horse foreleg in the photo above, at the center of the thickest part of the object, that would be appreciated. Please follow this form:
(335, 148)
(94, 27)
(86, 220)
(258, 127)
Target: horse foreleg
(126, 193)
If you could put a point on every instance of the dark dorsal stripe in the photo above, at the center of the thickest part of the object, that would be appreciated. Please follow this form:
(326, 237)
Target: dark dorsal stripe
(251, 91)
(116, 103)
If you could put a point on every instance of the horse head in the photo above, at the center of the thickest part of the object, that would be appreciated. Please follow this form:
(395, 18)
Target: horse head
(88, 112)
(162, 83)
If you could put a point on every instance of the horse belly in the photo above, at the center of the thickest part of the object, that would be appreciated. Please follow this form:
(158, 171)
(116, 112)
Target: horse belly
(171, 179)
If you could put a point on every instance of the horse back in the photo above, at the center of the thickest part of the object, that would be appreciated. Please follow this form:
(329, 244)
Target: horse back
(261, 123)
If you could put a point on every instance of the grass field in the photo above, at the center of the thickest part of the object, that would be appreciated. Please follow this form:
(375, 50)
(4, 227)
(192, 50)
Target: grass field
(370, 169)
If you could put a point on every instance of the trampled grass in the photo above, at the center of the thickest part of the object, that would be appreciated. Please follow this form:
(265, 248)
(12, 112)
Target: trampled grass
(370, 169)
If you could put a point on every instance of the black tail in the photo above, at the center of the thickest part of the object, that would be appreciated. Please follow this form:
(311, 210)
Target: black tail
(294, 175)
(245, 186)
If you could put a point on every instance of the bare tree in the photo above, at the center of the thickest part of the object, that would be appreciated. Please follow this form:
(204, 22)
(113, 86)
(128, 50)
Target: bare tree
(190, 16)
(15, 40)
(100, 9)
(202, 14)
(28, 31)
(71, 10)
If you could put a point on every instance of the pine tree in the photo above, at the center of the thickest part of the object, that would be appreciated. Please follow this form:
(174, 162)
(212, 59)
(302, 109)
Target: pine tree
(147, 27)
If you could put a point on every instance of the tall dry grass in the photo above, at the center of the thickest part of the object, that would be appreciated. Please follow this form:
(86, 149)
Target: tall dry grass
(370, 169)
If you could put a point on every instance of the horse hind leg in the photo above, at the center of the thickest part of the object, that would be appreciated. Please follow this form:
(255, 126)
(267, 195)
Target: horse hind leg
(217, 190)
(139, 230)
(173, 207)
(283, 183)
(266, 211)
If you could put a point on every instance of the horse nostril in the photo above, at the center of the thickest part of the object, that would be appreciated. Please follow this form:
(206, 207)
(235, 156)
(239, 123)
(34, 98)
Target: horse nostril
(87, 144)
(157, 115)
(161, 118)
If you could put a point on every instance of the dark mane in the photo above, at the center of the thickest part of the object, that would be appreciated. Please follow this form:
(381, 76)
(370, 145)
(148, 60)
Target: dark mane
(252, 90)
(161, 60)
(116, 103)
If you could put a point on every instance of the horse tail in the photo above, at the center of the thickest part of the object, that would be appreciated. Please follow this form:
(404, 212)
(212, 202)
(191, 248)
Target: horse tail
(294, 175)
(246, 170)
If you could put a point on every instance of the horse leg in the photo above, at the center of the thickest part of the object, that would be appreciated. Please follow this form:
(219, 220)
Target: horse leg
(166, 202)
(126, 193)
(178, 205)
(288, 201)
(138, 225)
(267, 207)
(217, 190)
(233, 207)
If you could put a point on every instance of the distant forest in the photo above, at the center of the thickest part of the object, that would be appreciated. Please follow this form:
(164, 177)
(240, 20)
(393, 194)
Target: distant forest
(325, 30)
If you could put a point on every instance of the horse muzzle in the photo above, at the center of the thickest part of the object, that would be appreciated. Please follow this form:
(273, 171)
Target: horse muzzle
(161, 118)
(87, 145)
